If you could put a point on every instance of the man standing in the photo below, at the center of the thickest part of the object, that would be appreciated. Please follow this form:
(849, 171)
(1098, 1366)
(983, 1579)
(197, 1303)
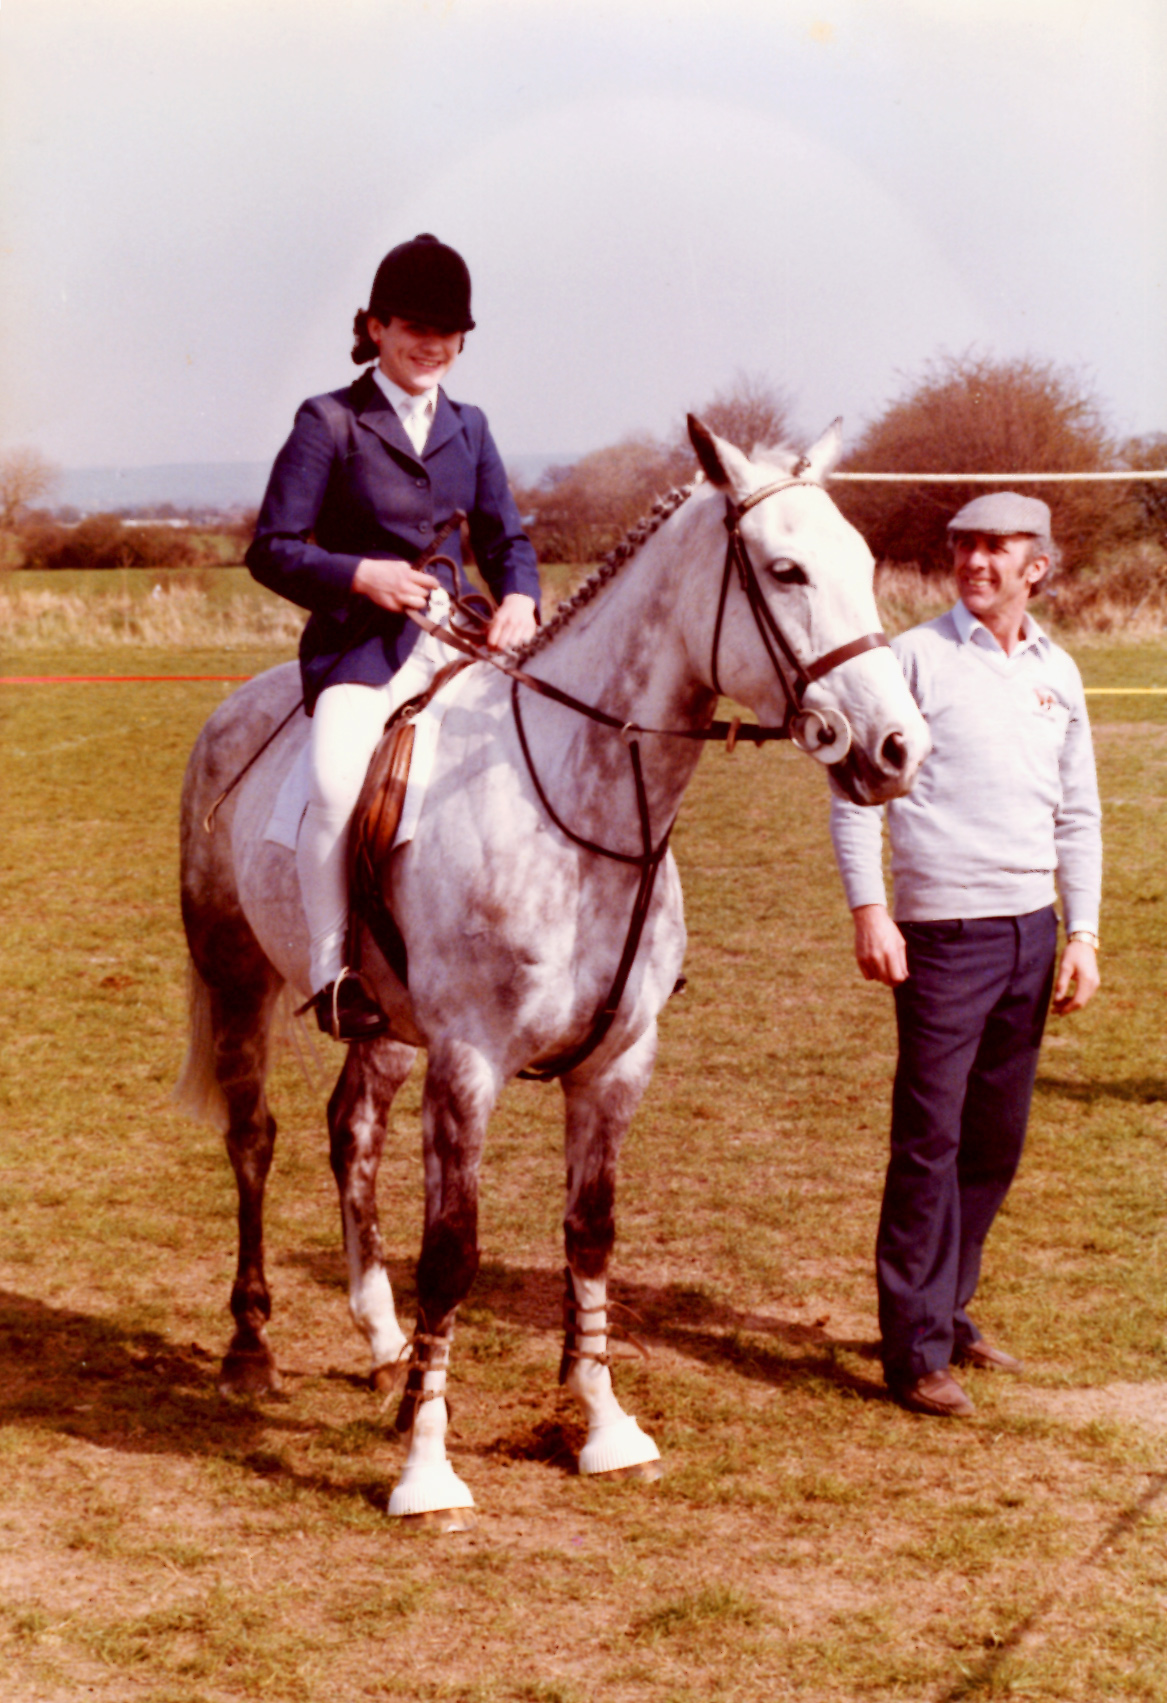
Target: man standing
(1005, 805)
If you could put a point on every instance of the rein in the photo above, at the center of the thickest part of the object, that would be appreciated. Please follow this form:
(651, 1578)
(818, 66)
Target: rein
(649, 859)
(429, 554)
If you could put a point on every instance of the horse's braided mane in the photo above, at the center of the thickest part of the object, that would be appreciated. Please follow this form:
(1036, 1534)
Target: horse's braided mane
(607, 570)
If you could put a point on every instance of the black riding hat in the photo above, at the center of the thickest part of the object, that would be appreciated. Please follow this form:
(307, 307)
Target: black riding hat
(426, 281)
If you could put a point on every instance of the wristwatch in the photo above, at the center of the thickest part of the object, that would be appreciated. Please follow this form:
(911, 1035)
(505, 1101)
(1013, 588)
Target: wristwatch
(1085, 936)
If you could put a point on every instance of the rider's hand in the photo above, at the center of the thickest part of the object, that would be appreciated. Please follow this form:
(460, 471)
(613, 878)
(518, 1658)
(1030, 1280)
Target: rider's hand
(513, 623)
(879, 946)
(393, 585)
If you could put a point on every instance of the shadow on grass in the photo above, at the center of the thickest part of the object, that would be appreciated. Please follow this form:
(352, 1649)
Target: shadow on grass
(780, 1352)
(69, 1374)
(1134, 1090)
(133, 1390)
(677, 1316)
(983, 1678)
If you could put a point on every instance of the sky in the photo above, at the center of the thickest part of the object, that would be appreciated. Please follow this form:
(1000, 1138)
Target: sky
(653, 196)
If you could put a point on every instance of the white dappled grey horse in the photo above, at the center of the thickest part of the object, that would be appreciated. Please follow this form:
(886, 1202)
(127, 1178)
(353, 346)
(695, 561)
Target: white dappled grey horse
(513, 926)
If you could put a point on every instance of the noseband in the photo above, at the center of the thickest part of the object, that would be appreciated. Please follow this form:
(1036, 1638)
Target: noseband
(795, 676)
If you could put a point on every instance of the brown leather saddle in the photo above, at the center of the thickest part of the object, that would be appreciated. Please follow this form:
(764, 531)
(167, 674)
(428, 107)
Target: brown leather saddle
(374, 825)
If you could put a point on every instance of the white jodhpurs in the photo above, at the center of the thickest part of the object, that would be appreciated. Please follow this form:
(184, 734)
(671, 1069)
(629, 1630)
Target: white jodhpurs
(347, 724)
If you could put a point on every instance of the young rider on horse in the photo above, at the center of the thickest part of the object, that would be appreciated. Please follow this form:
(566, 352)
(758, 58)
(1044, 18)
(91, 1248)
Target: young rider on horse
(369, 478)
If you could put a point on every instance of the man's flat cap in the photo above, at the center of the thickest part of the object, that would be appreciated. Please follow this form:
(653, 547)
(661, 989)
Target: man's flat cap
(1004, 513)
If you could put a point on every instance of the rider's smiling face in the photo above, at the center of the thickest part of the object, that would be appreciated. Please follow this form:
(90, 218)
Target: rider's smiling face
(414, 356)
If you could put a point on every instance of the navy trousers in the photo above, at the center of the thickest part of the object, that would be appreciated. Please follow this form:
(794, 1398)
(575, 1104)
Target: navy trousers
(970, 1018)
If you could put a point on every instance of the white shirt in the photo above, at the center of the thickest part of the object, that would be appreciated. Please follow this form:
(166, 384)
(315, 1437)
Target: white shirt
(416, 413)
(1006, 804)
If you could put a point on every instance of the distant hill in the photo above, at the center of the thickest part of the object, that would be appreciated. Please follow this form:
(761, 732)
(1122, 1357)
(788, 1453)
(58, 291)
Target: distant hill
(187, 484)
(206, 485)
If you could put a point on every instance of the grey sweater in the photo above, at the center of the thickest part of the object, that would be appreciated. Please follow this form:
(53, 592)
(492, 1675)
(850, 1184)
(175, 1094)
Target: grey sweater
(1005, 806)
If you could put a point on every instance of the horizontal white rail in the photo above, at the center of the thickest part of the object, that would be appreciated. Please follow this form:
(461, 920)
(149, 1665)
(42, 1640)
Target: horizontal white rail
(1004, 478)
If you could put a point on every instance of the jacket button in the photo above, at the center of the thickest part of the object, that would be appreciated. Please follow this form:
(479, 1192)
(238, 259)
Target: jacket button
(421, 483)
(423, 526)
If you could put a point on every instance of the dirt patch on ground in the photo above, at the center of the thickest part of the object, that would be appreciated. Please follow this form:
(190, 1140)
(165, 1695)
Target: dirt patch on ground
(1144, 1405)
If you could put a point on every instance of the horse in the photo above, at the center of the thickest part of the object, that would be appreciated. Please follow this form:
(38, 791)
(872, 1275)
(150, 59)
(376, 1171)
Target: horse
(544, 825)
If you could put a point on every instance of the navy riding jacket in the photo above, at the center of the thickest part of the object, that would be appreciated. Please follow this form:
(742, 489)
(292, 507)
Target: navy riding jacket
(349, 484)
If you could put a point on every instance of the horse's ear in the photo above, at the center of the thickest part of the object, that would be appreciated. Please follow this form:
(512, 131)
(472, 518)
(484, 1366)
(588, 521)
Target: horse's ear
(822, 456)
(722, 464)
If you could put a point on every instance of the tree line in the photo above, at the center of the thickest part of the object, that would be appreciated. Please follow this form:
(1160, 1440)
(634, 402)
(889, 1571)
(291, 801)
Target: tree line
(961, 414)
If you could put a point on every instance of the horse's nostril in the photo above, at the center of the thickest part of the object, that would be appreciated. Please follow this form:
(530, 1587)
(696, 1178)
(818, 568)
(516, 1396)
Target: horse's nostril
(895, 752)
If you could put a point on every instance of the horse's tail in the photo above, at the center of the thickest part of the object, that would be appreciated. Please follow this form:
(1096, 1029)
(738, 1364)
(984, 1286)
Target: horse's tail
(197, 1090)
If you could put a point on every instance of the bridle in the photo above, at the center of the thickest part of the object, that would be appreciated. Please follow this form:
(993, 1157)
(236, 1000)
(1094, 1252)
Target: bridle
(796, 675)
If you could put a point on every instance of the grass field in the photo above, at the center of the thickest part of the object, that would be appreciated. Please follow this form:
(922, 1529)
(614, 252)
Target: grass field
(809, 1540)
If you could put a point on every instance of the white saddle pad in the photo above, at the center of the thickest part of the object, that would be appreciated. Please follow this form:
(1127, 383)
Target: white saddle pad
(292, 799)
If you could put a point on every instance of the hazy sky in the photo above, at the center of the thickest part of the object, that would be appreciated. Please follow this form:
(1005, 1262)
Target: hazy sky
(651, 196)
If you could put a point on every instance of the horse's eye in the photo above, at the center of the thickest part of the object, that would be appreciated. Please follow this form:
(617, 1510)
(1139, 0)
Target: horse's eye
(788, 573)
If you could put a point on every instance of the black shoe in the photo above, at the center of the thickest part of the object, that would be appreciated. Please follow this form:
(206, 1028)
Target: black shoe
(347, 1012)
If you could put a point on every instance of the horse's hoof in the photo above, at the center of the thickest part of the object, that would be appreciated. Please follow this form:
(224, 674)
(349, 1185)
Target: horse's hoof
(442, 1519)
(621, 1449)
(648, 1472)
(430, 1489)
(249, 1374)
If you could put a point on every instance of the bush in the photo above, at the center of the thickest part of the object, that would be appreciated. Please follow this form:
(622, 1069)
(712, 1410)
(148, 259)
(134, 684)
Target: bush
(973, 414)
(754, 415)
(1150, 498)
(103, 541)
(577, 513)
(1123, 593)
(25, 475)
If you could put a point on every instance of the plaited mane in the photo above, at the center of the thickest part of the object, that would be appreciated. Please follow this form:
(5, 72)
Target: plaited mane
(607, 570)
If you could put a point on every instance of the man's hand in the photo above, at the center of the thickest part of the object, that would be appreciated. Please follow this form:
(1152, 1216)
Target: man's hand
(879, 946)
(1077, 978)
(393, 585)
(513, 623)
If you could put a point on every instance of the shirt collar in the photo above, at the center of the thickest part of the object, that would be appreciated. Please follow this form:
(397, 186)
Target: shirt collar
(403, 400)
(969, 629)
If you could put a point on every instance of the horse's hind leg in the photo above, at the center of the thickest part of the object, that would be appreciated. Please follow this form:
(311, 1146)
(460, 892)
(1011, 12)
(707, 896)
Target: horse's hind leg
(241, 1014)
(599, 1111)
(358, 1113)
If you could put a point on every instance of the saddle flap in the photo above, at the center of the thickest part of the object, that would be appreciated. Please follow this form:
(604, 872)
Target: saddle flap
(378, 812)
(374, 827)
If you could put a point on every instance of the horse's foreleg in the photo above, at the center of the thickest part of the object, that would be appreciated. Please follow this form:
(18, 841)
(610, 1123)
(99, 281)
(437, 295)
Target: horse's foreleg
(599, 1111)
(358, 1115)
(460, 1090)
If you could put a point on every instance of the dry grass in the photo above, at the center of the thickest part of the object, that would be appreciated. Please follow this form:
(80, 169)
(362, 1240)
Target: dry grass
(195, 609)
(809, 1541)
(188, 608)
(223, 609)
(1125, 597)
(907, 596)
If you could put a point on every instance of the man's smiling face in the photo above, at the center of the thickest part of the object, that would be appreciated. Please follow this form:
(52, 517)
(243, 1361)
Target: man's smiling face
(994, 573)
